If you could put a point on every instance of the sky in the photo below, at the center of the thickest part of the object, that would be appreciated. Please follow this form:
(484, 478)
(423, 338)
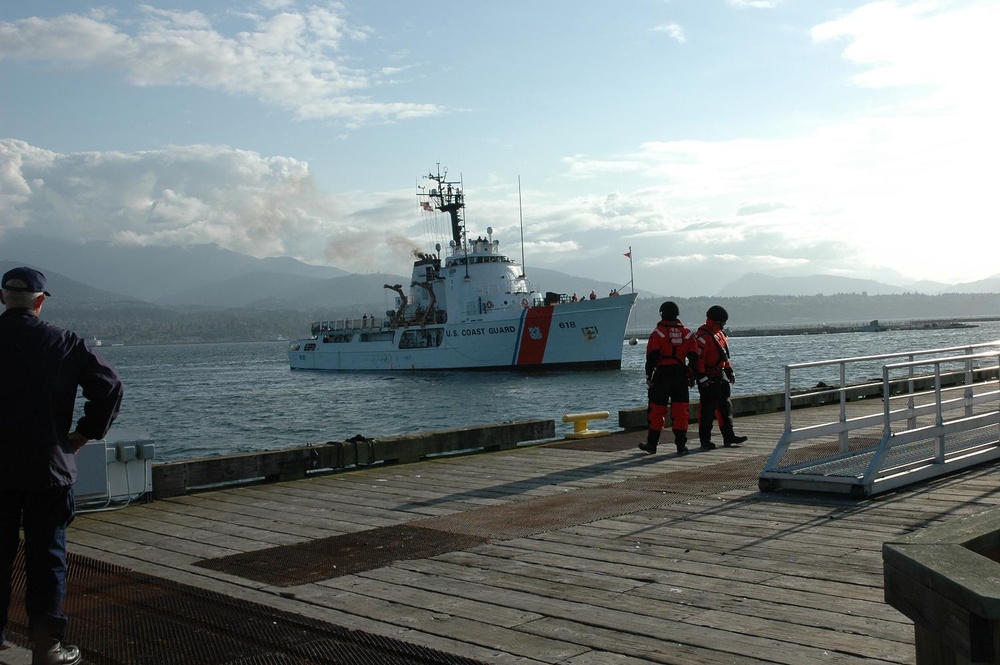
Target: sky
(714, 138)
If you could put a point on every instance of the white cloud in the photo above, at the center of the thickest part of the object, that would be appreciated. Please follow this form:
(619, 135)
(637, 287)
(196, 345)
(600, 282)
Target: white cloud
(673, 30)
(904, 185)
(754, 4)
(288, 59)
(261, 206)
(951, 46)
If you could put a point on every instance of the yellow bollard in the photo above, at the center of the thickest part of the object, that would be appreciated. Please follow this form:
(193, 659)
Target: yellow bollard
(580, 424)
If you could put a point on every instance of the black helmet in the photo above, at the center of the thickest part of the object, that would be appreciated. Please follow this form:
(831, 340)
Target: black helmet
(669, 311)
(718, 314)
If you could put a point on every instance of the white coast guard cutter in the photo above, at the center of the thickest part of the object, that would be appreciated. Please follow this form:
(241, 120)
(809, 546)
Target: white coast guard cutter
(471, 309)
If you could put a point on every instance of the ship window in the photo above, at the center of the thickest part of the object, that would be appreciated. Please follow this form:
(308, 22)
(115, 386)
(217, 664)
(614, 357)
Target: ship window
(377, 337)
(310, 346)
(421, 339)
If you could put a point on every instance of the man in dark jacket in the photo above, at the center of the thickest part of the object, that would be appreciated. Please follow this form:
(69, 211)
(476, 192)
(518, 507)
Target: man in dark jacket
(41, 368)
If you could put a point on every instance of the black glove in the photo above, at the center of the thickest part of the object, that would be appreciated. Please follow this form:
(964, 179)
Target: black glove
(690, 377)
(729, 375)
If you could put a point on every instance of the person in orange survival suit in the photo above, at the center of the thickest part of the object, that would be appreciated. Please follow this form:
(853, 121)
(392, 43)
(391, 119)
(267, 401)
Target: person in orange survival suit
(671, 358)
(715, 376)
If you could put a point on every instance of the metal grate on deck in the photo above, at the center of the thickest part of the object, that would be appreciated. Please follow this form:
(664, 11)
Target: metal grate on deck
(326, 558)
(120, 617)
(901, 455)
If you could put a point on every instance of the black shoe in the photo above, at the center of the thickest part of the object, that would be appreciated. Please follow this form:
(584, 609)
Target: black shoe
(646, 448)
(682, 450)
(707, 445)
(735, 441)
(57, 654)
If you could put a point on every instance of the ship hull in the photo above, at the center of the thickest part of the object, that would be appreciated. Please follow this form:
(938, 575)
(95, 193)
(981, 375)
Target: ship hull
(588, 334)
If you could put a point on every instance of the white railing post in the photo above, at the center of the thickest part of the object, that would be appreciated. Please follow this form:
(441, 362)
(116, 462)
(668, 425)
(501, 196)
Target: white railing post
(844, 435)
(939, 412)
(911, 422)
(788, 398)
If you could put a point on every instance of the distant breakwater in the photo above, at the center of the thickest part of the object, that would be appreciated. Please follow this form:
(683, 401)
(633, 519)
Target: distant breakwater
(871, 326)
(833, 328)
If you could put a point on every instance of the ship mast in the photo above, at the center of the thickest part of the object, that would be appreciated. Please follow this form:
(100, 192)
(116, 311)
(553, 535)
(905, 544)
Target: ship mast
(448, 197)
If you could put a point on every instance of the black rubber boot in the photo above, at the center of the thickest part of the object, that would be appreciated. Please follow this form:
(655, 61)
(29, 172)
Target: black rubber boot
(680, 440)
(652, 438)
(729, 437)
(705, 433)
(47, 652)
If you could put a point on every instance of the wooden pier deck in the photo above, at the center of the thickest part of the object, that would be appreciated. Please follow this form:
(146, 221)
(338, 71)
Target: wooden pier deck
(576, 553)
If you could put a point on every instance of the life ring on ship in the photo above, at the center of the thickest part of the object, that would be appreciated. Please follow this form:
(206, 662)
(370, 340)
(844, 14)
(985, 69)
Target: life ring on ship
(524, 303)
(489, 304)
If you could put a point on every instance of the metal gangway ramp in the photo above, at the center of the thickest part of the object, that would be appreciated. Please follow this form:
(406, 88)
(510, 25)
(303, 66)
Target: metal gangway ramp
(933, 412)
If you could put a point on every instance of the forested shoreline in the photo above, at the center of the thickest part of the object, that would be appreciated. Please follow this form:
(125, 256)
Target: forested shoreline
(131, 322)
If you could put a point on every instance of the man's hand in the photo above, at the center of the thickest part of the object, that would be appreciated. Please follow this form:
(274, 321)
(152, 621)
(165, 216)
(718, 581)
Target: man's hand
(730, 376)
(77, 440)
(649, 382)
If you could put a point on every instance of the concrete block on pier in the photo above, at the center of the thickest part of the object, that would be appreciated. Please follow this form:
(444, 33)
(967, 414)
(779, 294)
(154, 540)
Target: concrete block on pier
(743, 405)
(947, 580)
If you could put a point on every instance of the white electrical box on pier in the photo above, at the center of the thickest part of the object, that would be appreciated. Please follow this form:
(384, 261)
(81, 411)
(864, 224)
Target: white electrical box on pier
(115, 470)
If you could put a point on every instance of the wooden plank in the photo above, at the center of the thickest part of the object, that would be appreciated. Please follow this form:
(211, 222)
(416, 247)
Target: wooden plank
(733, 577)
(511, 590)
(545, 648)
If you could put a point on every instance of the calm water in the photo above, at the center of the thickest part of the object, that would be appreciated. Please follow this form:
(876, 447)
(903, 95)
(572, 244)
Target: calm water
(206, 399)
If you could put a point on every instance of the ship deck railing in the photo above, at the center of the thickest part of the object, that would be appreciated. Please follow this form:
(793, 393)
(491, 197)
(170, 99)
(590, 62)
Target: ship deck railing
(932, 412)
(369, 323)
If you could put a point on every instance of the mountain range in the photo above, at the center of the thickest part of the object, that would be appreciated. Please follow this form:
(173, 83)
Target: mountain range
(205, 293)
(207, 275)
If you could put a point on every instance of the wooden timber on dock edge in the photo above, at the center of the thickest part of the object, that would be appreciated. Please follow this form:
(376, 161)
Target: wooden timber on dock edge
(181, 477)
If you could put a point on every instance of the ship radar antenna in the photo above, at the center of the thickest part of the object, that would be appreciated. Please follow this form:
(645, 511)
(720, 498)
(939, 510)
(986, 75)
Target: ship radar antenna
(520, 216)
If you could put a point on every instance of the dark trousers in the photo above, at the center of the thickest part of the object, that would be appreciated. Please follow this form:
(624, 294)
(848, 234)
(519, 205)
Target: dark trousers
(715, 400)
(44, 516)
(669, 389)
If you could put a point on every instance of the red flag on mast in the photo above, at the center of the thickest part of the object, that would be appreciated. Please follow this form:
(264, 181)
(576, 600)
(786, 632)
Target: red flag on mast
(628, 253)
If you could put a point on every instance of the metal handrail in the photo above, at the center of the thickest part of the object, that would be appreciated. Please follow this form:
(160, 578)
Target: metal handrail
(921, 401)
